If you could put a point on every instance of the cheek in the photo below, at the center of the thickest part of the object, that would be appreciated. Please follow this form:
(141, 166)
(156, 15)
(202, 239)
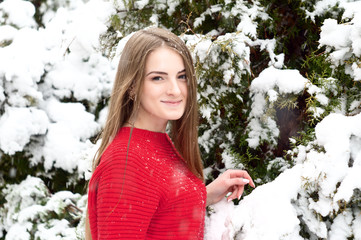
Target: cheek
(184, 89)
(150, 92)
(148, 100)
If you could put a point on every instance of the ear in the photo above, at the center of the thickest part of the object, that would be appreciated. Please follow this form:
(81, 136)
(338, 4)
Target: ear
(132, 94)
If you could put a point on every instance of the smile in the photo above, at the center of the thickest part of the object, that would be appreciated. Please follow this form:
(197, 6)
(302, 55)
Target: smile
(172, 103)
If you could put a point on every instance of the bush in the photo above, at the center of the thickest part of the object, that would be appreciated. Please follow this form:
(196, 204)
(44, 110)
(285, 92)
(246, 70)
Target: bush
(274, 77)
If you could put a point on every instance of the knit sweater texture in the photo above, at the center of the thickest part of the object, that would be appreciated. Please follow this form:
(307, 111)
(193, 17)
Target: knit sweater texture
(151, 195)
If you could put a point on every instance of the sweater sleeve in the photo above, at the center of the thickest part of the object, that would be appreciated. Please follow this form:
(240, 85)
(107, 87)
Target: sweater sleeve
(127, 198)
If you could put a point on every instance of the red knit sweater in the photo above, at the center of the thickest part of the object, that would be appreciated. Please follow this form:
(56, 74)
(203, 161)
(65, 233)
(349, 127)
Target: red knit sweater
(151, 196)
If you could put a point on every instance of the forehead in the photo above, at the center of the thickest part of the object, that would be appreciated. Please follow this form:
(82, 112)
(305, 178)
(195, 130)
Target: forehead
(164, 58)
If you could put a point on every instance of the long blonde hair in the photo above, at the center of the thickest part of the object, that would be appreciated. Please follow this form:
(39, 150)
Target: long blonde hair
(128, 82)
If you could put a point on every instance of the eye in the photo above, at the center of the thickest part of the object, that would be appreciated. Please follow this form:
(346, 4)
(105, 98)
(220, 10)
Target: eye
(157, 78)
(183, 77)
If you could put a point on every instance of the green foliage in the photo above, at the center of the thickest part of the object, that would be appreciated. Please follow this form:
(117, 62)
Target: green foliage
(227, 58)
(32, 207)
(38, 14)
(296, 35)
(303, 138)
(15, 168)
(333, 82)
(224, 101)
(225, 106)
(249, 160)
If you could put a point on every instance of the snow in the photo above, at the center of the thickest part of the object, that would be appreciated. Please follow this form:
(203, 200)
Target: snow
(43, 66)
(341, 227)
(278, 217)
(172, 4)
(18, 12)
(15, 132)
(343, 38)
(265, 89)
(350, 182)
(67, 132)
(19, 231)
(341, 144)
(334, 35)
(41, 70)
(288, 81)
(228, 160)
(22, 66)
(250, 217)
(44, 69)
(28, 206)
(55, 229)
(219, 219)
(140, 4)
(356, 227)
(7, 33)
(334, 173)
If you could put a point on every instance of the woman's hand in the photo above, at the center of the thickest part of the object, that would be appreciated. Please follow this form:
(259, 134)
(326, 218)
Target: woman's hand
(230, 181)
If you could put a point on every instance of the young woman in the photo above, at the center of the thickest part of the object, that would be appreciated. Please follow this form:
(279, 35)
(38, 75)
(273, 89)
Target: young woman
(145, 184)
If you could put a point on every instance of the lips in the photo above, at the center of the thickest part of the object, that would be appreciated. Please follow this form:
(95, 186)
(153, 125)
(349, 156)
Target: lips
(172, 102)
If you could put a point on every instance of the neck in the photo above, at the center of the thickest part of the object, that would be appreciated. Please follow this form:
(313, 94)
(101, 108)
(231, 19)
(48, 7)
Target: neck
(156, 127)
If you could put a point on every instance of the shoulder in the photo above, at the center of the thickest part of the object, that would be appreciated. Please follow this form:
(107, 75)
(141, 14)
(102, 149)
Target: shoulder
(128, 150)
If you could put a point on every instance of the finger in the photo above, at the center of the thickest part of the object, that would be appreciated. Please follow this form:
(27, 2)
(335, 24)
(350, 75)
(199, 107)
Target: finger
(248, 177)
(235, 173)
(240, 192)
(237, 181)
(233, 195)
(251, 183)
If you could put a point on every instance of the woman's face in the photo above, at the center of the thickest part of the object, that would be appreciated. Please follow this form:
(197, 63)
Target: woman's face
(164, 94)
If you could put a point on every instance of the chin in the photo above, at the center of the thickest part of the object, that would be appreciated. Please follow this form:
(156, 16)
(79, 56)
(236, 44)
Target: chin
(175, 117)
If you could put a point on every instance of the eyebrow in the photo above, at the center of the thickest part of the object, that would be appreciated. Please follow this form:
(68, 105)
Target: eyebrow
(163, 73)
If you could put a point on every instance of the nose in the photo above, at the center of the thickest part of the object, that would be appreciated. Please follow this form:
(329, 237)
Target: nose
(173, 87)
